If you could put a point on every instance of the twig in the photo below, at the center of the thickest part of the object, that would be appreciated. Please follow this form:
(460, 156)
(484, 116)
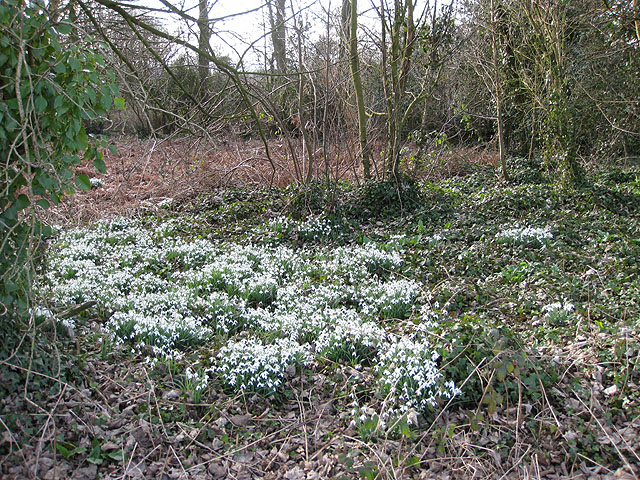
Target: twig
(622, 457)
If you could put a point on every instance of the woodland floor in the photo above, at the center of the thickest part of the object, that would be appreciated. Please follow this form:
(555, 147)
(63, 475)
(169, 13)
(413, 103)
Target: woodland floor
(545, 395)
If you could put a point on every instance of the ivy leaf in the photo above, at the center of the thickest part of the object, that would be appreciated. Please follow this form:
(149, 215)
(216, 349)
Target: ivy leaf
(98, 162)
(118, 455)
(90, 93)
(60, 68)
(75, 64)
(95, 455)
(65, 173)
(40, 104)
(64, 28)
(9, 213)
(43, 203)
(82, 139)
(106, 100)
(64, 451)
(82, 182)
(119, 103)
(22, 202)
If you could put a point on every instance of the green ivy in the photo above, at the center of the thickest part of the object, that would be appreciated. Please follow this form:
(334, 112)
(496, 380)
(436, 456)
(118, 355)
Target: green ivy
(48, 88)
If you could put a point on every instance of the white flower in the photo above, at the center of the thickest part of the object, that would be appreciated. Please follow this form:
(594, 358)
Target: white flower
(558, 311)
(407, 369)
(315, 228)
(165, 203)
(251, 365)
(525, 235)
(197, 381)
(167, 294)
(348, 339)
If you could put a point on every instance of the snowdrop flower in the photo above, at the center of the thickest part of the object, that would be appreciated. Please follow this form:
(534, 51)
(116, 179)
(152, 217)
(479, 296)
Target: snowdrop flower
(250, 365)
(167, 294)
(198, 381)
(525, 235)
(315, 228)
(558, 312)
(350, 340)
(165, 203)
(407, 370)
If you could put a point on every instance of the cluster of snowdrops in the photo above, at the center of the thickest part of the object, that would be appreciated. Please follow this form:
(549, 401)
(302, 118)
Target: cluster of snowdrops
(266, 309)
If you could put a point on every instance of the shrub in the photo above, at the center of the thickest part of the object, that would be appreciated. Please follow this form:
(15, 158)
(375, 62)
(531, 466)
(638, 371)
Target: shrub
(389, 197)
(526, 171)
(48, 89)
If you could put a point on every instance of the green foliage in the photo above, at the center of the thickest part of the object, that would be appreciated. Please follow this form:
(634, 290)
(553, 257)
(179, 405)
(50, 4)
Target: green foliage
(389, 197)
(48, 89)
(492, 365)
(524, 170)
(311, 197)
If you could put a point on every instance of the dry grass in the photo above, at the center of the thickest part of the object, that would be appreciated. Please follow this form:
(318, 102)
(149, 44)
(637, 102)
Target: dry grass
(144, 172)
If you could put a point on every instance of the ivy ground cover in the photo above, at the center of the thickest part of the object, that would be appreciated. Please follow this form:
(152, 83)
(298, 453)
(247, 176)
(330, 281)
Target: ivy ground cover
(470, 317)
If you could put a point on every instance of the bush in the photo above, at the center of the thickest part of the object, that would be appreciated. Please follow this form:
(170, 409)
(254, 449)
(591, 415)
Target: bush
(388, 198)
(48, 89)
(526, 171)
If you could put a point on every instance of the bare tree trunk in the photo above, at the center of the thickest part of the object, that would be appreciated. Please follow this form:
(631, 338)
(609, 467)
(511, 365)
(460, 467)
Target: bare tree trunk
(348, 113)
(203, 44)
(325, 123)
(307, 154)
(278, 34)
(345, 35)
(497, 84)
(396, 64)
(73, 18)
(354, 63)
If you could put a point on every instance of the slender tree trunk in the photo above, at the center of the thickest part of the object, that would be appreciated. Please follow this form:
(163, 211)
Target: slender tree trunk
(396, 64)
(407, 44)
(497, 82)
(278, 34)
(354, 62)
(347, 113)
(204, 39)
(325, 113)
(345, 35)
(307, 154)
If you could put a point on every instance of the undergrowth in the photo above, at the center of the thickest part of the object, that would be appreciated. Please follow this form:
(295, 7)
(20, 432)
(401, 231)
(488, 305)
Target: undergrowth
(445, 319)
